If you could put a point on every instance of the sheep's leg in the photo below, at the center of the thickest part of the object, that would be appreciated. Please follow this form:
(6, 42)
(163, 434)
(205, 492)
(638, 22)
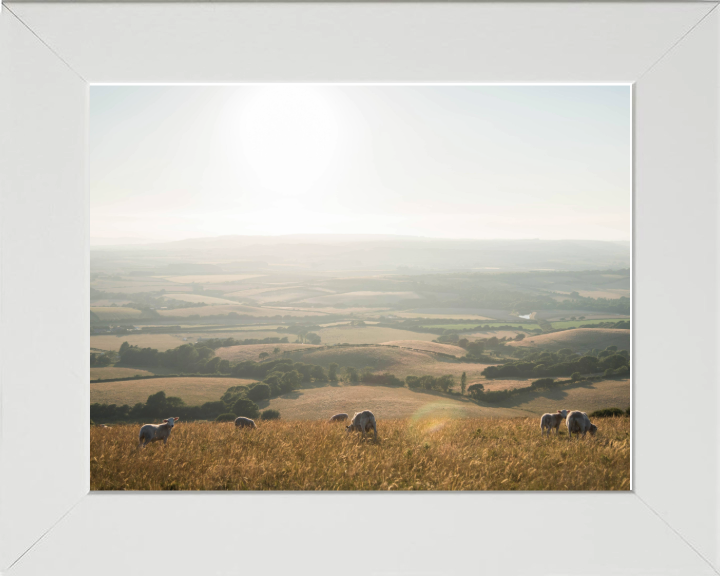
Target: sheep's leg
(165, 440)
(375, 429)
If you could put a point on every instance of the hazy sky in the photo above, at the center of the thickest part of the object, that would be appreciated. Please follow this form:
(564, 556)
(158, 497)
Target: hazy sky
(549, 162)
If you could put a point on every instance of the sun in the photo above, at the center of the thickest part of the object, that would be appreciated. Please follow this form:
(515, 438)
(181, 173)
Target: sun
(287, 136)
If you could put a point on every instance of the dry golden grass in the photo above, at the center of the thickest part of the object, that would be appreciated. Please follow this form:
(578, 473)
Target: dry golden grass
(428, 346)
(161, 342)
(426, 454)
(369, 335)
(579, 340)
(113, 372)
(193, 390)
(585, 396)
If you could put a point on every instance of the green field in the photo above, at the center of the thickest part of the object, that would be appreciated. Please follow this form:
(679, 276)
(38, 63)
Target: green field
(115, 312)
(578, 323)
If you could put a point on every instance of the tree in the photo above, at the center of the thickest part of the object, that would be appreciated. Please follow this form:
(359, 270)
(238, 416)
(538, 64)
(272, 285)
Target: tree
(276, 350)
(476, 390)
(312, 338)
(351, 375)
(445, 382)
(519, 337)
(263, 355)
(576, 376)
(463, 383)
(246, 407)
(290, 381)
(332, 372)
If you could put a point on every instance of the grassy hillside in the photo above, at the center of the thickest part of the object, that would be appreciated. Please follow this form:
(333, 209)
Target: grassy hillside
(411, 454)
(579, 340)
(193, 390)
(252, 351)
(113, 372)
(368, 335)
(585, 396)
(428, 346)
(398, 361)
(164, 342)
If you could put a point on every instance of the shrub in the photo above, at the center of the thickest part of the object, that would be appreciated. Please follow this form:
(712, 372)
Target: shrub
(270, 415)
(227, 417)
(543, 383)
(259, 392)
(575, 376)
(607, 412)
(622, 371)
(246, 407)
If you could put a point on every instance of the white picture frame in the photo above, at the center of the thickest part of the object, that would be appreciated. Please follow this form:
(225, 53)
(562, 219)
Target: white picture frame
(49, 522)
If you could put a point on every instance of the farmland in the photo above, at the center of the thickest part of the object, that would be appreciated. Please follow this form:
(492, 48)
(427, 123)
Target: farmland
(434, 453)
(193, 390)
(373, 323)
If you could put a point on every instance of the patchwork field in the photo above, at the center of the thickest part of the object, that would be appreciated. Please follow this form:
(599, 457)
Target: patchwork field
(441, 316)
(364, 297)
(579, 340)
(490, 324)
(398, 361)
(193, 390)
(237, 308)
(115, 312)
(411, 454)
(206, 278)
(198, 299)
(428, 346)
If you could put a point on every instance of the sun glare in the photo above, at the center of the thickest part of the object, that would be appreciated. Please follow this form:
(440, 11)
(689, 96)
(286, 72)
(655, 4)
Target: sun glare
(288, 135)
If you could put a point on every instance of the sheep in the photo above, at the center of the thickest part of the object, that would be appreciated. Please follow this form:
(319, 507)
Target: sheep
(552, 420)
(153, 432)
(579, 423)
(363, 421)
(338, 417)
(242, 422)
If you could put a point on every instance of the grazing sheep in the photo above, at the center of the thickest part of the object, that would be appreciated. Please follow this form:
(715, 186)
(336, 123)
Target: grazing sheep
(363, 421)
(552, 420)
(242, 422)
(339, 418)
(153, 432)
(579, 423)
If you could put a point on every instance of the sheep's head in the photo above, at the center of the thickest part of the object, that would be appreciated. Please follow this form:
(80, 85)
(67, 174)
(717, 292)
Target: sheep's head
(563, 413)
(171, 421)
(593, 429)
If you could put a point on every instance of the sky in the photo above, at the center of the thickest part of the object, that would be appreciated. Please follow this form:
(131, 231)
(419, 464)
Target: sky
(444, 161)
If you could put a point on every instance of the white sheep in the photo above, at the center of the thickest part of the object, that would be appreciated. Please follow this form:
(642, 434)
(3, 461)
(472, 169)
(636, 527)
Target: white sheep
(552, 420)
(579, 423)
(153, 432)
